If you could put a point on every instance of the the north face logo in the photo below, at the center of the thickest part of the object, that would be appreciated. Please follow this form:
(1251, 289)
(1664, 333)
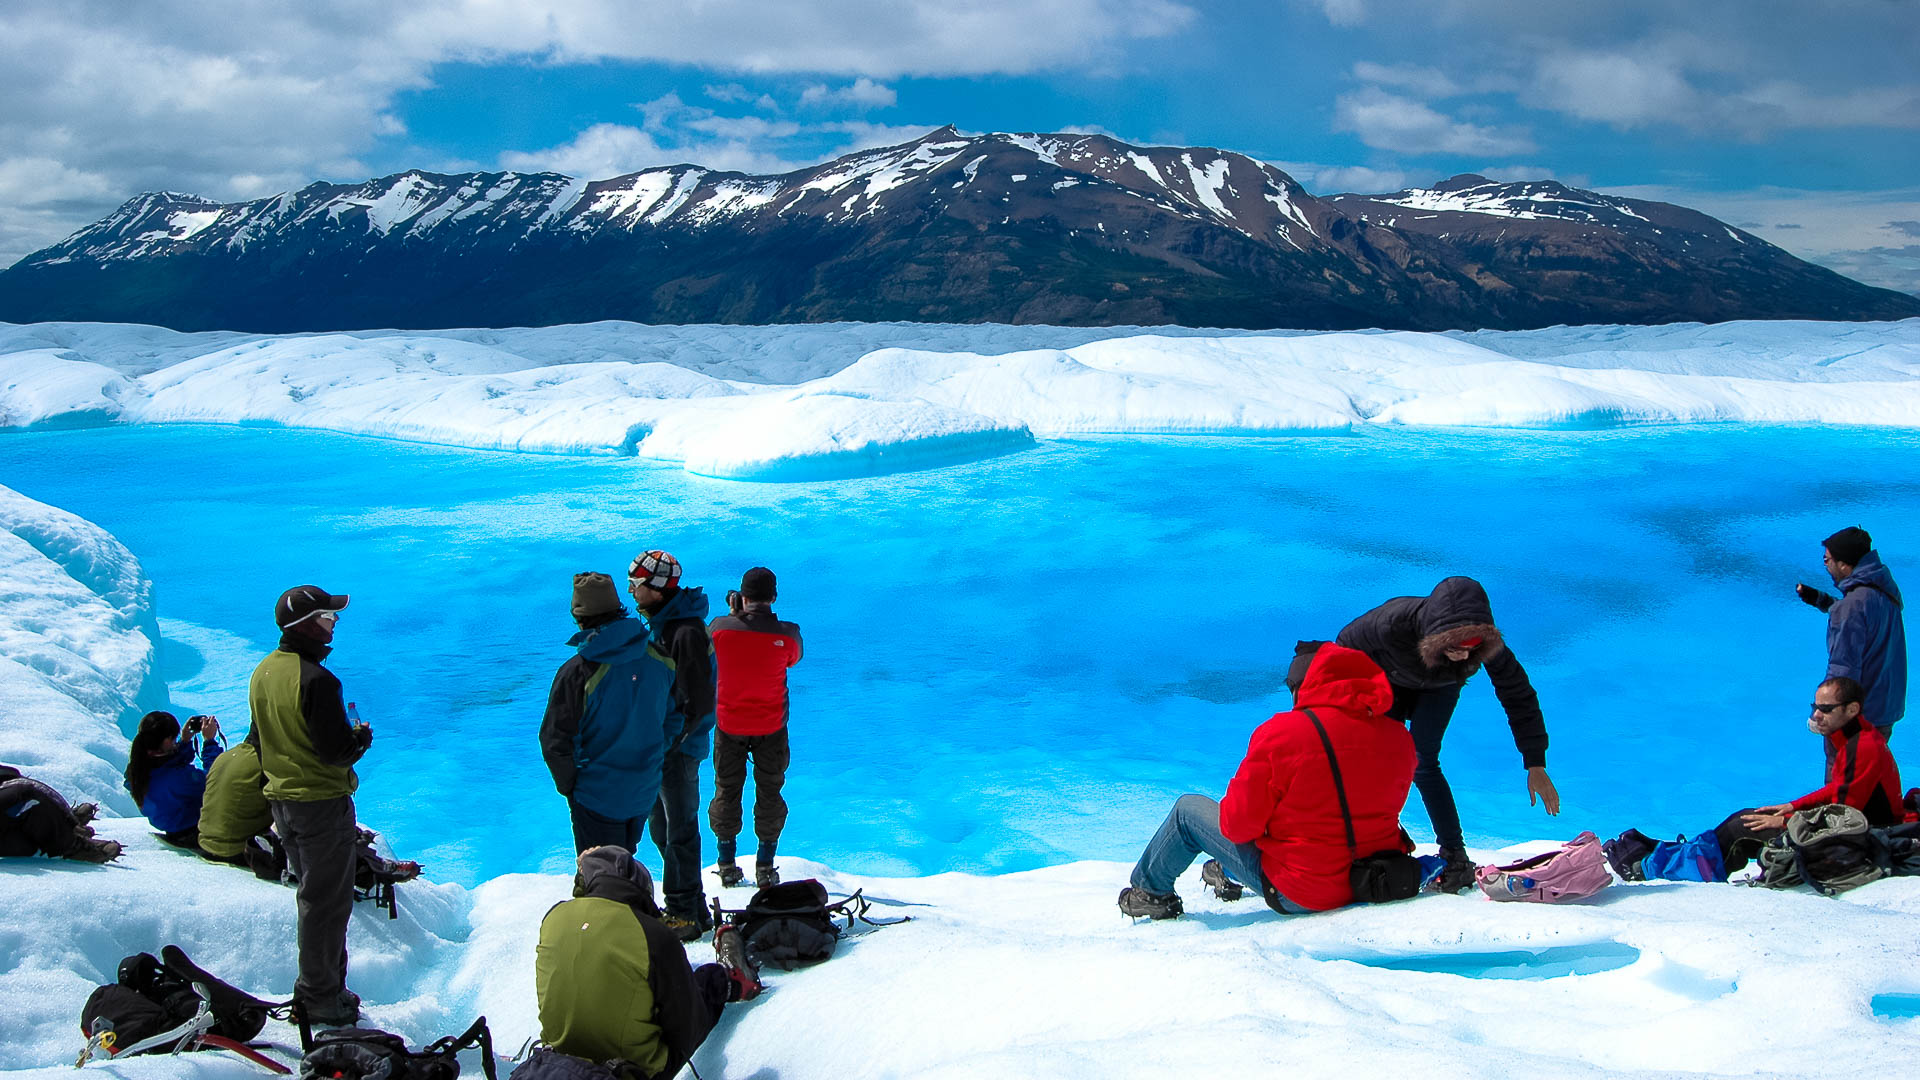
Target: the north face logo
(779, 641)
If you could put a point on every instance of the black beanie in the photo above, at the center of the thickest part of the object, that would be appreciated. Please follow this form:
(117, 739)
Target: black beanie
(1849, 545)
(758, 585)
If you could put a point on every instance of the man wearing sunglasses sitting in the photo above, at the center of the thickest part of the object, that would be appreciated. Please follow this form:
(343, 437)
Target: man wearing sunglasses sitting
(1861, 773)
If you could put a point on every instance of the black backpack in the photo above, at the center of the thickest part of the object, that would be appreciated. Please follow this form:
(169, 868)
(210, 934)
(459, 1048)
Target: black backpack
(357, 1053)
(792, 924)
(155, 996)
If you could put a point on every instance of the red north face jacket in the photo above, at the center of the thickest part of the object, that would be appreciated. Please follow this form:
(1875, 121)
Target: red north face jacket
(1861, 774)
(753, 651)
(1283, 796)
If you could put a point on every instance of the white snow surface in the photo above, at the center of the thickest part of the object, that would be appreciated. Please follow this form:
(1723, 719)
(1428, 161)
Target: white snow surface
(1032, 974)
(853, 398)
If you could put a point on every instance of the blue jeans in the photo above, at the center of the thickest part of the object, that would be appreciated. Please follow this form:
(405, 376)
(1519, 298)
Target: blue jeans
(1192, 829)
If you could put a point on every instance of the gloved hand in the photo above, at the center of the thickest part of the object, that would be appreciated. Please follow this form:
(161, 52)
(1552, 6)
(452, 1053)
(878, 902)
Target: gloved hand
(1813, 597)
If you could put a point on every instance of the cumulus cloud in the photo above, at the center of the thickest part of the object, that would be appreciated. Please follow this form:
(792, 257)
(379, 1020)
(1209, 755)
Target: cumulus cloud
(1388, 121)
(235, 100)
(862, 93)
(1425, 81)
(1321, 179)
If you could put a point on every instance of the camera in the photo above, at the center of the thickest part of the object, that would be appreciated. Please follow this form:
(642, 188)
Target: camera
(194, 724)
(733, 598)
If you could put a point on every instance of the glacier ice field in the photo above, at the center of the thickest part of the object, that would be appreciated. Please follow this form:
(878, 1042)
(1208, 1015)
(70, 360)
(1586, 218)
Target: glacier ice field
(1021, 660)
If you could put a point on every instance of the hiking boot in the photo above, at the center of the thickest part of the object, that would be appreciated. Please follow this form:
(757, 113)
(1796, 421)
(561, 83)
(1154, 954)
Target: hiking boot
(765, 875)
(1214, 876)
(89, 849)
(1625, 852)
(85, 812)
(731, 875)
(688, 927)
(1457, 875)
(731, 952)
(1139, 904)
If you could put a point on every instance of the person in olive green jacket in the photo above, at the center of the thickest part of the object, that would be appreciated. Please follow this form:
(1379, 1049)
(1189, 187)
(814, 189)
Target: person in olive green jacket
(307, 749)
(234, 809)
(613, 983)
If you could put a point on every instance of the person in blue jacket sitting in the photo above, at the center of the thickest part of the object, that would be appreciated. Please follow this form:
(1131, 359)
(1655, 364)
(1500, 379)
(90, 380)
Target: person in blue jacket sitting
(163, 778)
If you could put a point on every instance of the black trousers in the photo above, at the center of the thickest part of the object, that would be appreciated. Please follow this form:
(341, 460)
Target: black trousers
(770, 755)
(1427, 713)
(675, 824)
(591, 830)
(321, 845)
(1738, 843)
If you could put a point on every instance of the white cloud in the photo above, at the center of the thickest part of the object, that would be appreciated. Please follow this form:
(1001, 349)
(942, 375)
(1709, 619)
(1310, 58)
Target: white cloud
(1336, 179)
(1344, 12)
(862, 93)
(1391, 122)
(1425, 81)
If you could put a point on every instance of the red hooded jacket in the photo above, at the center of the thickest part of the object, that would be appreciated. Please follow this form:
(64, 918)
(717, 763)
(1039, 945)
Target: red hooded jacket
(1283, 797)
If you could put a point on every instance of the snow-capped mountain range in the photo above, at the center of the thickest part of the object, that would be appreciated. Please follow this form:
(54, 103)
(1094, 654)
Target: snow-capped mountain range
(1072, 229)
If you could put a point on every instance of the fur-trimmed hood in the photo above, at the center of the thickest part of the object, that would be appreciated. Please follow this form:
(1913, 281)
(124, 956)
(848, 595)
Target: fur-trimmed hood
(1457, 610)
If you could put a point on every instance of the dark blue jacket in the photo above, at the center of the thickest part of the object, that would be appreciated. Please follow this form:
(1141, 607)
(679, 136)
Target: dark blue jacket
(176, 787)
(603, 732)
(680, 631)
(1867, 641)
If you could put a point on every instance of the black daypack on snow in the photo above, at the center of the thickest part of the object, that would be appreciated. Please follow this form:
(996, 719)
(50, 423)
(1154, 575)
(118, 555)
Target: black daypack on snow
(1828, 847)
(792, 924)
(357, 1053)
(153, 996)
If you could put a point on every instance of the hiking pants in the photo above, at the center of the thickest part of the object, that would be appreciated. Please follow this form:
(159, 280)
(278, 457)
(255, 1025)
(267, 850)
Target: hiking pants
(591, 830)
(770, 756)
(675, 825)
(1427, 713)
(1738, 843)
(1192, 829)
(321, 851)
(43, 828)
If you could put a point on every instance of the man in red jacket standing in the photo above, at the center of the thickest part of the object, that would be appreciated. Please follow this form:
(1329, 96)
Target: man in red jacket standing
(1280, 825)
(753, 650)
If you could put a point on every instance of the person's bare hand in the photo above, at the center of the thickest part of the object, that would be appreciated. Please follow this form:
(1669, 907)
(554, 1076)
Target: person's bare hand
(1540, 790)
(209, 728)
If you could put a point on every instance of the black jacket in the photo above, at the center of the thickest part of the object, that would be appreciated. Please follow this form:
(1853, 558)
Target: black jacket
(1408, 636)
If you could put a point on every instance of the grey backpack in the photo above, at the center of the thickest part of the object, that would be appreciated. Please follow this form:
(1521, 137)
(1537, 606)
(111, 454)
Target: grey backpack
(1828, 847)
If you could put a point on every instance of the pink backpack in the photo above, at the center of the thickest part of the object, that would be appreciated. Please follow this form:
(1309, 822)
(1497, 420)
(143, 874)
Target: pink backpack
(1571, 872)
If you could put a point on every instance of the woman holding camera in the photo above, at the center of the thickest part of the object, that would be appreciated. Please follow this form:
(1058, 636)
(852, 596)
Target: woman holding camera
(163, 777)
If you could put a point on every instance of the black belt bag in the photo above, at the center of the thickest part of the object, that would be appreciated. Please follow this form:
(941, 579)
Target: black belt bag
(1386, 875)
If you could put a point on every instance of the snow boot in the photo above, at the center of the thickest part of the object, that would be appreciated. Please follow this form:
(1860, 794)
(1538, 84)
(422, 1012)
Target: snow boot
(765, 876)
(89, 849)
(1139, 903)
(731, 952)
(1457, 875)
(342, 1011)
(1626, 852)
(730, 875)
(688, 927)
(1213, 875)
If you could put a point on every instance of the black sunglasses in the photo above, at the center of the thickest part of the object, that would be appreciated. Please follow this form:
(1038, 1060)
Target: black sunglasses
(1825, 709)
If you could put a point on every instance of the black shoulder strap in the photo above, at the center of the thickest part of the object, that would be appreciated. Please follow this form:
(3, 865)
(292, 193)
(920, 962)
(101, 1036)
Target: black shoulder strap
(1339, 786)
(477, 1035)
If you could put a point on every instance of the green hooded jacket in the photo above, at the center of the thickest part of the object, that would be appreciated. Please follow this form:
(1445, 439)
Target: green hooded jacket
(307, 748)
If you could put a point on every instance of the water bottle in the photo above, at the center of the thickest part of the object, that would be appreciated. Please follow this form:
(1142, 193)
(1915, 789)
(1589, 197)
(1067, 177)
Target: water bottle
(353, 713)
(1519, 886)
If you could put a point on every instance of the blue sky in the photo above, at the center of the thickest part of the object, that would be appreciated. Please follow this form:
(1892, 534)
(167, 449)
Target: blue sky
(1800, 121)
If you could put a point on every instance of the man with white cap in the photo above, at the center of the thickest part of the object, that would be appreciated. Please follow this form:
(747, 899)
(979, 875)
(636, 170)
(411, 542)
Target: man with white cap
(307, 750)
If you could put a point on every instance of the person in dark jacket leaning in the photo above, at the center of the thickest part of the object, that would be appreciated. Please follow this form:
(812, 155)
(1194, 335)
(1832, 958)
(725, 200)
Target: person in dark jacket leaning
(1429, 646)
(677, 618)
(307, 752)
(602, 734)
(752, 649)
(613, 983)
(1866, 637)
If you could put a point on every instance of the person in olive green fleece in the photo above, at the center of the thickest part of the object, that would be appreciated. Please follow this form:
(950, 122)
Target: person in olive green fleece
(307, 750)
(234, 809)
(613, 983)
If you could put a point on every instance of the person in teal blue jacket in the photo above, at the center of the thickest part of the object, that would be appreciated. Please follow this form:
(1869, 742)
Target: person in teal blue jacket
(603, 736)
